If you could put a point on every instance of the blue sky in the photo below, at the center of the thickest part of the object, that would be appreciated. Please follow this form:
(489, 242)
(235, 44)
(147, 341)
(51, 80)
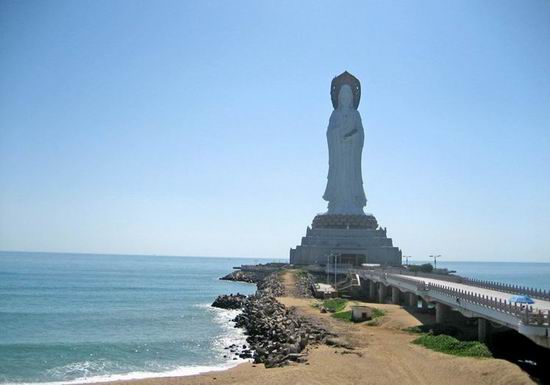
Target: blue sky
(198, 127)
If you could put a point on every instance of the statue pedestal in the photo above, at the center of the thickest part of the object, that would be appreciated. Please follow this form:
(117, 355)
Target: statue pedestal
(357, 238)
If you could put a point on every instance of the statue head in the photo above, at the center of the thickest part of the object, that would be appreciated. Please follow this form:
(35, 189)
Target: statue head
(351, 82)
(345, 97)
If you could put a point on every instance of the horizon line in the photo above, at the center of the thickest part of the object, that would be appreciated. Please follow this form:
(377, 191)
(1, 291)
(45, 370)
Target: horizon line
(240, 257)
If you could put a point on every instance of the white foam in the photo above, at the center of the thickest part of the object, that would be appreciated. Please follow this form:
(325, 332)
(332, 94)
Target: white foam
(178, 372)
(231, 334)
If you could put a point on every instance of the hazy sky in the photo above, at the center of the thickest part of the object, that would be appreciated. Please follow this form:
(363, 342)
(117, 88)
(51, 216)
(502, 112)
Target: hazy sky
(198, 127)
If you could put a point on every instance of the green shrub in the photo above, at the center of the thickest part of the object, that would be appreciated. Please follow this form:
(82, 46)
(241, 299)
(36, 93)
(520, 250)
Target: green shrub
(414, 329)
(424, 268)
(335, 304)
(346, 315)
(343, 315)
(450, 345)
(437, 329)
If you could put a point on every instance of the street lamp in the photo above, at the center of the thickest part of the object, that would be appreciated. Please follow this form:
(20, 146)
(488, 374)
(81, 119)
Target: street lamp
(335, 267)
(435, 259)
(329, 256)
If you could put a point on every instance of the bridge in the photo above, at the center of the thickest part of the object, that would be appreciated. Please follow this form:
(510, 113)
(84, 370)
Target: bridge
(488, 302)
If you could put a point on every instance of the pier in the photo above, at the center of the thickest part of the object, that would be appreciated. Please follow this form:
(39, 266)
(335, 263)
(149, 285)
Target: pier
(488, 302)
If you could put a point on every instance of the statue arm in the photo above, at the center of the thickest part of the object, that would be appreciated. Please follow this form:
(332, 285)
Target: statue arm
(357, 127)
(350, 133)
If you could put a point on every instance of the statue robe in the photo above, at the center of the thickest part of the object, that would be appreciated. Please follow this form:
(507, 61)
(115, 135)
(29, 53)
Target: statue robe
(345, 136)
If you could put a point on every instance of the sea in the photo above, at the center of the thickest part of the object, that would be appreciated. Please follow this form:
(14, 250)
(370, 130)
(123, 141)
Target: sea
(82, 318)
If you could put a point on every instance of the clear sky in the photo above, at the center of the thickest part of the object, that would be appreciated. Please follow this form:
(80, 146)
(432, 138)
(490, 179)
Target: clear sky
(198, 127)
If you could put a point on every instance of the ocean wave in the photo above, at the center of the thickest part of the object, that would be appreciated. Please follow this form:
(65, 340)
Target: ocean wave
(177, 372)
(230, 334)
(82, 372)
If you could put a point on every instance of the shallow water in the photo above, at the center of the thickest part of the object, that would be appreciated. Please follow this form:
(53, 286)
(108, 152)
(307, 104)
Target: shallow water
(82, 317)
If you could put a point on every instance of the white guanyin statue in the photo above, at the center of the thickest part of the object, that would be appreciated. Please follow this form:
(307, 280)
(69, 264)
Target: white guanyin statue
(345, 135)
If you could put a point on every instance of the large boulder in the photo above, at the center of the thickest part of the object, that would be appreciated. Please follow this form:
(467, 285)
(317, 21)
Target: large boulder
(231, 301)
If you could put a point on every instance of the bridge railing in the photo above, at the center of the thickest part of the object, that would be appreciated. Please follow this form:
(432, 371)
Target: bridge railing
(498, 286)
(508, 288)
(420, 285)
(527, 314)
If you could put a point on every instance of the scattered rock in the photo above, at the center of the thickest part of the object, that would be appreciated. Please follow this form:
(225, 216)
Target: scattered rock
(338, 342)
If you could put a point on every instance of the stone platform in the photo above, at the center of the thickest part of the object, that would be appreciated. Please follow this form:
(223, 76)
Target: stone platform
(344, 221)
(357, 238)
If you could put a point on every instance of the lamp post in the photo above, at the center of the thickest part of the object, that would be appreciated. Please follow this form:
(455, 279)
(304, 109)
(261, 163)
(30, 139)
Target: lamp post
(435, 259)
(329, 256)
(335, 266)
(328, 268)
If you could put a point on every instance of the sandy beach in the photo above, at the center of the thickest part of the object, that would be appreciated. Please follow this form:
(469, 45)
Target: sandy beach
(381, 354)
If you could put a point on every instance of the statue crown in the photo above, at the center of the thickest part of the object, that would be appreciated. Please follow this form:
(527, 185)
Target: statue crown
(337, 83)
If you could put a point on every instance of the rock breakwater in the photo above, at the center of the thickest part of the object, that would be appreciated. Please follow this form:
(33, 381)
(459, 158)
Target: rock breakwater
(243, 276)
(253, 273)
(271, 285)
(305, 284)
(276, 335)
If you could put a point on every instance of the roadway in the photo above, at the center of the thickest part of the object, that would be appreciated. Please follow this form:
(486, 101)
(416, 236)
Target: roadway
(539, 303)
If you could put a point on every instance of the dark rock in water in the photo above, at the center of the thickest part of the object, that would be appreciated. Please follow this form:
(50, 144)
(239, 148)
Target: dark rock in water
(242, 276)
(254, 273)
(229, 301)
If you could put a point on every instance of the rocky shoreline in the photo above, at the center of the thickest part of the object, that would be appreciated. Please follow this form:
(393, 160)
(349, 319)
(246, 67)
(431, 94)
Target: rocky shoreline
(276, 335)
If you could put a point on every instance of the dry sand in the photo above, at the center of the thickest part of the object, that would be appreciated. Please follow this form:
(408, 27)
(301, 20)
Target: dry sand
(381, 354)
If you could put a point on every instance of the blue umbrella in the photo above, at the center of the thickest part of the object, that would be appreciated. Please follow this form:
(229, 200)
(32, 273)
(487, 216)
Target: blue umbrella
(521, 299)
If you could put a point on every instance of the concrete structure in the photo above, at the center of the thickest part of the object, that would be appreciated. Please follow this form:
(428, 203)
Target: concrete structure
(381, 292)
(323, 290)
(441, 312)
(360, 313)
(395, 295)
(354, 246)
(345, 230)
(486, 302)
(412, 300)
(482, 329)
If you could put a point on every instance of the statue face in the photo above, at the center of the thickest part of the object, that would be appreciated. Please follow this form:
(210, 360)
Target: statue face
(345, 97)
